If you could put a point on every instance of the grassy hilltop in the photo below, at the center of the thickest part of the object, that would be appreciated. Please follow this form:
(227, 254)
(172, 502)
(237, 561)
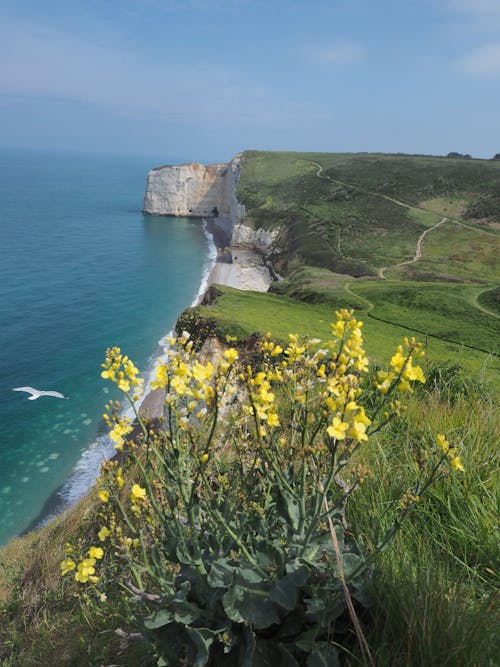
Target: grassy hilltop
(412, 244)
(351, 226)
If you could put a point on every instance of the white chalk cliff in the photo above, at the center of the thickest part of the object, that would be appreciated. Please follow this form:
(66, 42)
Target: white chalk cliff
(205, 191)
(193, 190)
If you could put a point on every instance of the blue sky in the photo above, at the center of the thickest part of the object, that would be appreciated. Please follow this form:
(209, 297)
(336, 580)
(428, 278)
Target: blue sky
(204, 79)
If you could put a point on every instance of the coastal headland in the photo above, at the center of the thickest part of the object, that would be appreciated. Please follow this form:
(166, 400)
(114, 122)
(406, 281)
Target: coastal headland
(209, 192)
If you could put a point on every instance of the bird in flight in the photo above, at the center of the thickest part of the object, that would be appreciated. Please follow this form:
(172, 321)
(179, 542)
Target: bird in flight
(35, 393)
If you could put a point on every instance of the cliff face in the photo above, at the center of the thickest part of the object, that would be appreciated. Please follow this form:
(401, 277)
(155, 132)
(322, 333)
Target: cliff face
(205, 191)
(193, 190)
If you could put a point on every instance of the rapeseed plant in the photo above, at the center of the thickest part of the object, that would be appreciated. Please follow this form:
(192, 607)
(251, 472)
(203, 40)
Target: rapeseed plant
(230, 531)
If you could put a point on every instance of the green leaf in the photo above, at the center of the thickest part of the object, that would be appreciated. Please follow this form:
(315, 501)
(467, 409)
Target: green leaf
(202, 639)
(249, 575)
(287, 659)
(307, 641)
(269, 557)
(363, 592)
(250, 604)
(292, 509)
(352, 563)
(186, 612)
(221, 574)
(158, 619)
(285, 592)
(182, 592)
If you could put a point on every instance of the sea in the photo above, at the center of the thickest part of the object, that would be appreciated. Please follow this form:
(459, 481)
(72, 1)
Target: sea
(81, 269)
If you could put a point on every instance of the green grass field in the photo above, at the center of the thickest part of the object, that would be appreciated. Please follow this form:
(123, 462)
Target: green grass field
(241, 314)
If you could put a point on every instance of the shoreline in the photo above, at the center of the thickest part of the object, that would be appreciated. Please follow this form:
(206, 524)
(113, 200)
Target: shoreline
(236, 266)
(232, 266)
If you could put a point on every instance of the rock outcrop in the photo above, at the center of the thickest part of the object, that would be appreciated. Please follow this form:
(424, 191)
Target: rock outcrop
(193, 190)
(259, 239)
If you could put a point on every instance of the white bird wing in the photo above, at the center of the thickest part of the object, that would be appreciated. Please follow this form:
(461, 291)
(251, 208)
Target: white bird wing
(53, 393)
(30, 390)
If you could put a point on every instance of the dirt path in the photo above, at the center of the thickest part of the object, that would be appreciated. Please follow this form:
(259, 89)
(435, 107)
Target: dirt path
(319, 174)
(476, 304)
(418, 253)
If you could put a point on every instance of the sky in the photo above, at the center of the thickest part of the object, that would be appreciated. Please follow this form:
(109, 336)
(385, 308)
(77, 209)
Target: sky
(204, 79)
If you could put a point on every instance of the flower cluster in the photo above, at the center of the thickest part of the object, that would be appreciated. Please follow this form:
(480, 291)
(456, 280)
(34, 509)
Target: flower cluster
(121, 370)
(450, 451)
(85, 570)
(262, 399)
(402, 371)
(181, 376)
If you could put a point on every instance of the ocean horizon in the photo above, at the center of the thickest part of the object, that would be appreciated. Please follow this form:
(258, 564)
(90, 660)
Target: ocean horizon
(82, 269)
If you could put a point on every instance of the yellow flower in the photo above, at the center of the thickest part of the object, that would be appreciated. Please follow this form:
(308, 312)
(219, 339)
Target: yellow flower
(404, 385)
(231, 355)
(161, 377)
(204, 458)
(96, 552)
(272, 419)
(103, 495)
(443, 444)
(120, 430)
(414, 373)
(202, 372)
(361, 417)
(357, 431)
(398, 360)
(137, 493)
(337, 429)
(124, 385)
(85, 571)
(104, 533)
(456, 464)
(66, 566)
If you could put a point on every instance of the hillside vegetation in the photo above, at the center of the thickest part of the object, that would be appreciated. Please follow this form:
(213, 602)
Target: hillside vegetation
(408, 241)
(411, 243)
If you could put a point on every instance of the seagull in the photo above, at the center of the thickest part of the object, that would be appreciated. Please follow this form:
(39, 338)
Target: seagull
(36, 393)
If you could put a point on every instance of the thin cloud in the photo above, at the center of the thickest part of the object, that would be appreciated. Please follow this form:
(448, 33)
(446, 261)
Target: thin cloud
(479, 15)
(50, 64)
(483, 62)
(477, 7)
(344, 53)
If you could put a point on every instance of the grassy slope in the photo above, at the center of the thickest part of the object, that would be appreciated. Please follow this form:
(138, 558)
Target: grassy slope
(42, 620)
(240, 314)
(350, 218)
(437, 586)
(363, 212)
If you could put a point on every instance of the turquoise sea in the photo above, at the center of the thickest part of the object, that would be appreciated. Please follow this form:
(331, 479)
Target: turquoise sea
(81, 269)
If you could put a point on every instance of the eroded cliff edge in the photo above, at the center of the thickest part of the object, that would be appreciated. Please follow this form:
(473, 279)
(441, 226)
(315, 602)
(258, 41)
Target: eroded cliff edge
(194, 190)
(209, 191)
